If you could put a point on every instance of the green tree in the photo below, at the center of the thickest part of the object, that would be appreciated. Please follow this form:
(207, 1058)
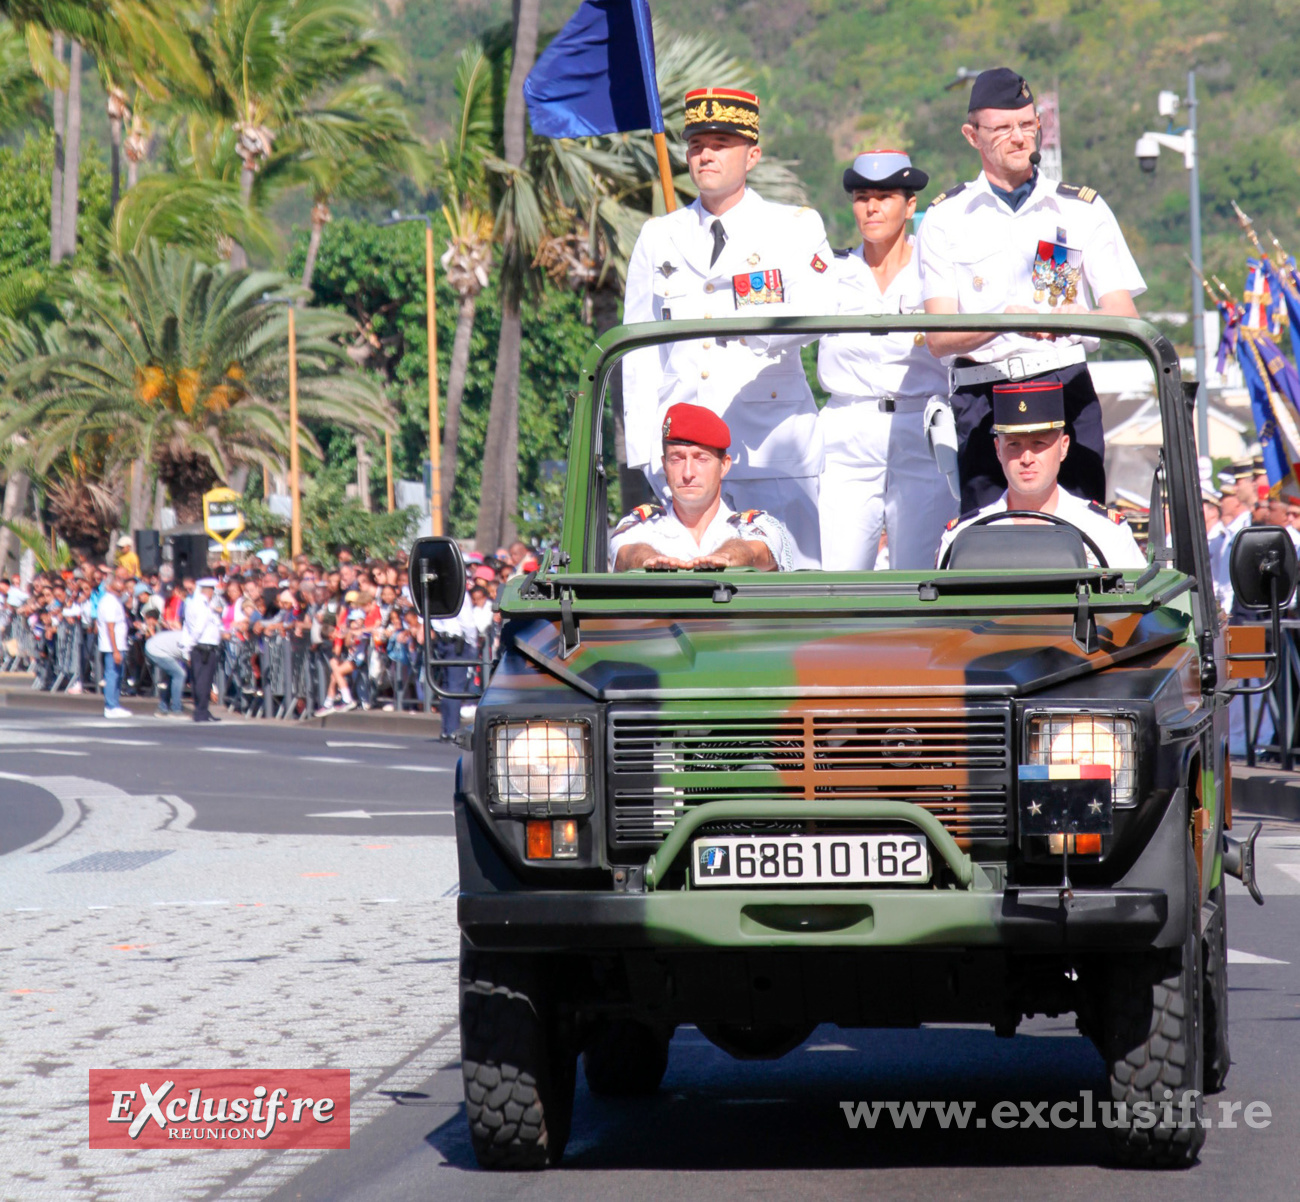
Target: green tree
(182, 368)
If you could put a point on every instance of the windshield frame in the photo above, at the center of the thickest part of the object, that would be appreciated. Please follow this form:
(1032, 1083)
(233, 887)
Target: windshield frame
(585, 522)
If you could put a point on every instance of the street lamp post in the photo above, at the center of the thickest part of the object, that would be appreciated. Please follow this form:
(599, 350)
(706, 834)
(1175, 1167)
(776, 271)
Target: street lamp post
(295, 494)
(1183, 141)
(435, 456)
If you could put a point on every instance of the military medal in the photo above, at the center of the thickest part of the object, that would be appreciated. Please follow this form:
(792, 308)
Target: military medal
(758, 288)
(1056, 272)
(754, 260)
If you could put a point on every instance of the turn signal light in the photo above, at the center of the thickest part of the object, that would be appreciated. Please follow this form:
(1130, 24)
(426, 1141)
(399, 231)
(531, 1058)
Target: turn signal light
(539, 840)
(1080, 845)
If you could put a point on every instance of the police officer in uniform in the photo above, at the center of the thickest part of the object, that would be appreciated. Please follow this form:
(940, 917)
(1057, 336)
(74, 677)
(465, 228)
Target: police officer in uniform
(879, 473)
(1014, 241)
(697, 529)
(731, 253)
(1032, 446)
(202, 639)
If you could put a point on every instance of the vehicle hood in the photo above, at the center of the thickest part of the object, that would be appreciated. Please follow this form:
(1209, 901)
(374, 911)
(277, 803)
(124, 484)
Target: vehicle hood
(713, 656)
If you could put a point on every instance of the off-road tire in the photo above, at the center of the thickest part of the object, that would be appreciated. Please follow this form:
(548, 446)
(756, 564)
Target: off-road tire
(624, 1058)
(1214, 964)
(1151, 1015)
(518, 1071)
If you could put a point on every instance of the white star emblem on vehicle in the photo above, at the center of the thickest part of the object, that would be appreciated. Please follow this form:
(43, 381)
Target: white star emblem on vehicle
(1095, 807)
(1035, 808)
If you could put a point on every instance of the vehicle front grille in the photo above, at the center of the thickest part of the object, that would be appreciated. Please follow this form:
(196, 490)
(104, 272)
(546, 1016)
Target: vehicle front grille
(953, 762)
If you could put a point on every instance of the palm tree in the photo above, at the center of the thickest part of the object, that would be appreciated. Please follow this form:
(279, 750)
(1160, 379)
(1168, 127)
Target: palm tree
(278, 65)
(185, 369)
(380, 143)
(20, 91)
(461, 176)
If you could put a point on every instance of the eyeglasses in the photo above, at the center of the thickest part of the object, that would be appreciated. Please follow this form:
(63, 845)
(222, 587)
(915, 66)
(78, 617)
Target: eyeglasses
(1000, 133)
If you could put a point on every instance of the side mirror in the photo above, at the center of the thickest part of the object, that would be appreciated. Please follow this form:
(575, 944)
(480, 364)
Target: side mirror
(437, 573)
(1263, 556)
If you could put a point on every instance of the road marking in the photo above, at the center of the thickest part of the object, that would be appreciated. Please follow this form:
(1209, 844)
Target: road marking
(327, 759)
(231, 750)
(122, 742)
(376, 814)
(377, 746)
(1292, 870)
(1236, 957)
(829, 1047)
(43, 751)
(221, 901)
(416, 768)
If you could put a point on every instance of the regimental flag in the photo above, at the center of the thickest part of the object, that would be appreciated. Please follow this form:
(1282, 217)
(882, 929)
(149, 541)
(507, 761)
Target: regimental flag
(1274, 390)
(598, 75)
(1285, 281)
(1229, 328)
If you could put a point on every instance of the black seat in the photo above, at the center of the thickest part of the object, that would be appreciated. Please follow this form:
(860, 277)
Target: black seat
(980, 548)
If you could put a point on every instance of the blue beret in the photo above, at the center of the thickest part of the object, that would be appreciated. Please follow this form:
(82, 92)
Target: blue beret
(886, 170)
(1000, 88)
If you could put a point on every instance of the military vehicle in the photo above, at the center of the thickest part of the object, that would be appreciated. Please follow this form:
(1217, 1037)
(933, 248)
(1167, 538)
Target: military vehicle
(760, 802)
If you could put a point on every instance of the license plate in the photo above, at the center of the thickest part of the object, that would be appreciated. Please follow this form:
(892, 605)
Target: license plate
(811, 860)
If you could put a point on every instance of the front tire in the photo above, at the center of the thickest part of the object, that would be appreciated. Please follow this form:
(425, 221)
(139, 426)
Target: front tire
(1218, 1058)
(1152, 1043)
(518, 1068)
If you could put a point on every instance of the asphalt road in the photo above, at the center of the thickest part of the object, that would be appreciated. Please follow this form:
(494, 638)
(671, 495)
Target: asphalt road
(265, 928)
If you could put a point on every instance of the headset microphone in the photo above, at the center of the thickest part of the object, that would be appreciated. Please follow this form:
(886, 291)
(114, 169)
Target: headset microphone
(1035, 158)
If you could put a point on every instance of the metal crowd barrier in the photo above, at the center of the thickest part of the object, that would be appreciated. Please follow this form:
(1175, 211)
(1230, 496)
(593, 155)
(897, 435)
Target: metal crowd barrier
(1278, 708)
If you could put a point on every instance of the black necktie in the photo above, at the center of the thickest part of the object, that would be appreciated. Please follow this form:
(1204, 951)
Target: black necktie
(719, 240)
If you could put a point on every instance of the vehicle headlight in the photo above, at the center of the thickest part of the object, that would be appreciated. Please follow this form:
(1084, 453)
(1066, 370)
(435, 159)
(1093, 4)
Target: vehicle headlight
(1088, 739)
(541, 768)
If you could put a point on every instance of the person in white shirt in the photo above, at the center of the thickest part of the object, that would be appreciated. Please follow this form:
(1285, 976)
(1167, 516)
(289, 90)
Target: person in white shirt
(698, 530)
(1216, 536)
(110, 620)
(879, 474)
(1014, 241)
(732, 254)
(1029, 432)
(202, 640)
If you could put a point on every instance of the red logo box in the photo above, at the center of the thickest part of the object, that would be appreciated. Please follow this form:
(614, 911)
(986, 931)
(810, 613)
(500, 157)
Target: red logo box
(220, 1108)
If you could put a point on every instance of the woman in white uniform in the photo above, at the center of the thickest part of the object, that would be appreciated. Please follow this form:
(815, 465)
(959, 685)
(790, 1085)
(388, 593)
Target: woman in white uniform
(879, 474)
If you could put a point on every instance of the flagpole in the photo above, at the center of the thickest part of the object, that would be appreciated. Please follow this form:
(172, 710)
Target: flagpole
(665, 173)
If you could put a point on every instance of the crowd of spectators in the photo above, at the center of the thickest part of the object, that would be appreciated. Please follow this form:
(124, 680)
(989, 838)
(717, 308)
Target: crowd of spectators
(299, 637)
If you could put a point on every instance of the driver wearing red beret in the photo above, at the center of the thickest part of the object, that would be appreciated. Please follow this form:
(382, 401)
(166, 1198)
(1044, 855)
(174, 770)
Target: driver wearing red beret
(698, 530)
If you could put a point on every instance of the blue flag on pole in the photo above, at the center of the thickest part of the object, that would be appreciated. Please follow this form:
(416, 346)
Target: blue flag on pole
(598, 75)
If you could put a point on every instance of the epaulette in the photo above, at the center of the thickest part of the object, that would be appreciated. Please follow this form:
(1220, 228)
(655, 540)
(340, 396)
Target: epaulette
(1101, 510)
(1078, 192)
(842, 254)
(950, 192)
(642, 513)
(745, 516)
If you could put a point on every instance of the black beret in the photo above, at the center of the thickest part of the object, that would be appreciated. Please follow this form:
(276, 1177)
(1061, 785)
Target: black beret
(886, 170)
(1000, 88)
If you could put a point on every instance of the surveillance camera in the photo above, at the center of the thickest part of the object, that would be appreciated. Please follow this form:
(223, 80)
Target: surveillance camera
(1167, 103)
(1147, 151)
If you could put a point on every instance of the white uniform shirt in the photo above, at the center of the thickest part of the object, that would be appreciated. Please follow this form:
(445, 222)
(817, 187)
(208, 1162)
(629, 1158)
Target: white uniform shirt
(1223, 579)
(462, 626)
(659, 527)
(202, 626)
(878, 365)
(756, 384)
(1114, 538)
(975, 250)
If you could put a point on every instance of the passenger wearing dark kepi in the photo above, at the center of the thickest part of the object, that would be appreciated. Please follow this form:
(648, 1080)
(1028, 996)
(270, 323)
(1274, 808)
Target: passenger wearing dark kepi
(1014, 241)
(698, 530)
(1031, 443)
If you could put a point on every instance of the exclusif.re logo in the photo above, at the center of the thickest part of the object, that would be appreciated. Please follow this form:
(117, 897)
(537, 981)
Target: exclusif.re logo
(284, 1108)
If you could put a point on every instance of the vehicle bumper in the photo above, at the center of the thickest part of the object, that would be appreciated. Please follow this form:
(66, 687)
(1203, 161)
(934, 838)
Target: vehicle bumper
(1027, 920)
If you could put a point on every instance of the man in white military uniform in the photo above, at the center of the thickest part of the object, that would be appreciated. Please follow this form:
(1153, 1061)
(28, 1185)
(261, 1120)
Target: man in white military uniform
(732, 254)
(201, 641)
(697, 529)
(879, 473)
(1014, 241)
(1031, 442)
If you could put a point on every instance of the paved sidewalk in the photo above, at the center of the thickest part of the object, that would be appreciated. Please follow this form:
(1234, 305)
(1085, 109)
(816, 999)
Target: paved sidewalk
(216, 949)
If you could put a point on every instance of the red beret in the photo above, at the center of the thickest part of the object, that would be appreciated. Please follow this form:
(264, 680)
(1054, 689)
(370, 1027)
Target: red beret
(694, 423)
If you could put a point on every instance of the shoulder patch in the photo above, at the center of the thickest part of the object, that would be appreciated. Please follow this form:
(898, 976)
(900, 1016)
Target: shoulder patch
(1113, 514)
(745, 516)
(947, 193)
(642, 513)
(1078, 192)
(842, 254)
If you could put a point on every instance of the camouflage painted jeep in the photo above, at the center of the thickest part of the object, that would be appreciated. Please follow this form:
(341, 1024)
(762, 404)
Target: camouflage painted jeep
(757, 803)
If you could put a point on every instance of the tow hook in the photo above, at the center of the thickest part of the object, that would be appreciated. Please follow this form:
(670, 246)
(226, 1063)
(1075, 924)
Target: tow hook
(1239, 861)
